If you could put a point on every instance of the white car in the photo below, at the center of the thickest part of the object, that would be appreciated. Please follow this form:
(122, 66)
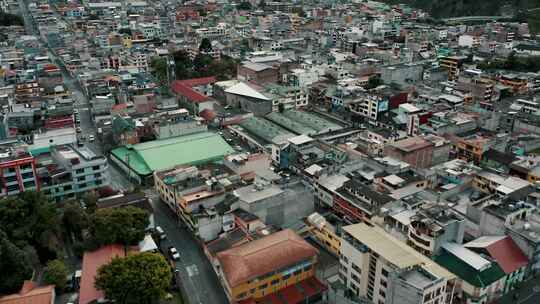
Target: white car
(174, 253)
(91, 138)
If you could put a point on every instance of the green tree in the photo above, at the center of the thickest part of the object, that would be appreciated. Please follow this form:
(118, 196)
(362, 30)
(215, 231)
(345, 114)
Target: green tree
(201, 65)
(56, 273)
(14, 265)
(299, 11)
(31, 219)
(137, 278)
(373, 82)
(74, 220)
(10, 19)
(183, 64)
(159, 69)
(206, 45)
(245, 6)
(117, 226)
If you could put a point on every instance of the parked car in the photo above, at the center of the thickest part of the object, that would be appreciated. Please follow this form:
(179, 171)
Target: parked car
(174, 253)
(91, 138)
(78, 130)
(160, 232)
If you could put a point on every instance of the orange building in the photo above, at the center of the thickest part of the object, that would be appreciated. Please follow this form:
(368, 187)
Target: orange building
(278, 266)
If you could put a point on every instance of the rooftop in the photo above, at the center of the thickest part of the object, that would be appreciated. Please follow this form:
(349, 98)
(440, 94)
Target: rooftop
(30, 293)
(193, 149)
(265, 255)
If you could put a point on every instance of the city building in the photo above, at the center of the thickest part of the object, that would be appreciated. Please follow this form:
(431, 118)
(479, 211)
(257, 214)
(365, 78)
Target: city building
(289, 263)
(377, 267)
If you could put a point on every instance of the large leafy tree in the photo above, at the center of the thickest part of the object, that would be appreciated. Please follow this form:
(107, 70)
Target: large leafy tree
(137, 278)
(74, 220)
(31, 219)
(56, 273)
(206, 45)
(14, 265)
(118, 226)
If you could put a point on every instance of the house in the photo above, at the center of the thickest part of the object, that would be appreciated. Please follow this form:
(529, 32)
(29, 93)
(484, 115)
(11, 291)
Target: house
(31, 293)
(92, 260)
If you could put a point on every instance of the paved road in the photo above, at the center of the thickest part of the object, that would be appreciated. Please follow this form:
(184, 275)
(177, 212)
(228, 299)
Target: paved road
(200, 283)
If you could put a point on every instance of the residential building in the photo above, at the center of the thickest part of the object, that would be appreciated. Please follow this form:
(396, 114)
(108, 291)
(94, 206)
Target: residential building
(432, 226)
(289, 261)
(324, 233)
(18, 169)
(31, 293)
(68, 172)
(376, 266)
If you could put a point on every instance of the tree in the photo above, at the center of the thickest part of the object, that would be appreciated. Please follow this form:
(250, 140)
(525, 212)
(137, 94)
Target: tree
(206, 45)
(299, 11)
(244, 6)
(10, 19)
(31, 219)
(117, 226)
(137, 278)
(56, 273)
(373, 82)
(159, 69)
(74, 220)
(14, 265)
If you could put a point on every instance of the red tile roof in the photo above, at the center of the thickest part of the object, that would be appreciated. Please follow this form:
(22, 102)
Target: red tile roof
(294, 294)
(30, 293)
(208, 114)
(185, 88)
(507, 254)
(264, 255)
(91, 263)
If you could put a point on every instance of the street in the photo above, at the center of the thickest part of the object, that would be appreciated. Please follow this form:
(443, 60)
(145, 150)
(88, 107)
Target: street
(200, 283)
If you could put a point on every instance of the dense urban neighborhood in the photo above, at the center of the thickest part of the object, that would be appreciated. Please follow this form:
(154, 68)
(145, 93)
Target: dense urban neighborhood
(269, 152)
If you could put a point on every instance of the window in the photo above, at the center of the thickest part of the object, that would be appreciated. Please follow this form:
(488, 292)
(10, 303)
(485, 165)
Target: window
(382, 294)
(95, 168)
(252, 290)
(297, 272)
(286, 277)
(263, 286)
(384, 272)
(79, 171)
(384, 284)
(242, 295)
(97, 175)
(274, 282)
(356, 268)
(67, 188)
(83, 185)
(307, 268)
(355, 278)
(81, 178)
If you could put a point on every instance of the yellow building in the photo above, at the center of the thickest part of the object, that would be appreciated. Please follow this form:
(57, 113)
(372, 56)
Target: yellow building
(324, 233)
(266, 266)
(452, 64)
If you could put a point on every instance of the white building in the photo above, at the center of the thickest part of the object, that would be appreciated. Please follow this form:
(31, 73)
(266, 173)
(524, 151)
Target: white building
(375, 265)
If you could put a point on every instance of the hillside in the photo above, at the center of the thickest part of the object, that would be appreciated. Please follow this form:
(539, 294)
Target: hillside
(453, 8)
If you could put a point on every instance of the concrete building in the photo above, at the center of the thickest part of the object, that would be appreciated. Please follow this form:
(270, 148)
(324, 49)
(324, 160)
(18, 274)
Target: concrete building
(276, 204)
(68, 172)
(289, 263)
(258, 73)
(324, 233)
(376, 266)
(419, 151)
(18, 169)
(432, 226)
(176, 123)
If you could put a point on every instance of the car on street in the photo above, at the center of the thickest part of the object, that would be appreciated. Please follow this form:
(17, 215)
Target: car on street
(160, 232)
(91, 138)
(78, 130)
(174, 253)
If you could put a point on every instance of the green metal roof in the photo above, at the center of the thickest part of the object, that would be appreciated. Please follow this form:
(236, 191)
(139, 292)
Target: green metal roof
(311, 120)
(290, 124)
(193, 149)
(468, 273)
